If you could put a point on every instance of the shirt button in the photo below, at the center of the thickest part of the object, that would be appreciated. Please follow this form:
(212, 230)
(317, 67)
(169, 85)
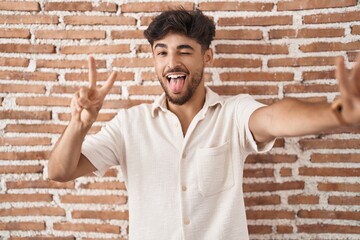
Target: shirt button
(186, 221)
(176, 125)
(184, 188)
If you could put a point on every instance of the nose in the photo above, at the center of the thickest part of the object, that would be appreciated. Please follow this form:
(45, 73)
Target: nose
(173, 62)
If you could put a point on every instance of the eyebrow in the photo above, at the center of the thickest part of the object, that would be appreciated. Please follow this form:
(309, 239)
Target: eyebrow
(183, 46)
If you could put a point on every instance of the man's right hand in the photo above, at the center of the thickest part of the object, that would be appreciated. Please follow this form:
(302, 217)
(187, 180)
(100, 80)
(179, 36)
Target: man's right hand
(87, 102)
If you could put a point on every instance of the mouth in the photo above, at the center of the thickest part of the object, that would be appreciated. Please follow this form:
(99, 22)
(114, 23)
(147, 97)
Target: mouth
(176, 81)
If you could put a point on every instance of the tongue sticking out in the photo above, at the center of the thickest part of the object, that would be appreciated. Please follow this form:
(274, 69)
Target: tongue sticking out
(177, 84)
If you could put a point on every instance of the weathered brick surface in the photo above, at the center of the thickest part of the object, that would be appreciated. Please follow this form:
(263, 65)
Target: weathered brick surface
(305, 188)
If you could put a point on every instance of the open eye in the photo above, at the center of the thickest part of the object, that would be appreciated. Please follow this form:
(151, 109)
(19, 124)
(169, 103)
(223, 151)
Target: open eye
(162, 53)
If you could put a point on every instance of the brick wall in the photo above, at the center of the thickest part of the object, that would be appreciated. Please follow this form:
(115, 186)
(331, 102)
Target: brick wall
(305, 188)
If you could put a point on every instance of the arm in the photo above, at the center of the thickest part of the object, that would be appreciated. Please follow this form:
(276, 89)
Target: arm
(291, 117)
(66, 161)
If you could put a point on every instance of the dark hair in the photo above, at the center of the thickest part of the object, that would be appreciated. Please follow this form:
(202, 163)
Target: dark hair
(193, 24)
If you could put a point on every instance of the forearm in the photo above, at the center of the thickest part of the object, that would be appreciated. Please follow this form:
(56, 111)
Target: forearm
(291, 117)
(65, 156)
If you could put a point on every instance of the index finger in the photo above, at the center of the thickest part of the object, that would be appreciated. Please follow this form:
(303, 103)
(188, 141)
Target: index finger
(92, 72)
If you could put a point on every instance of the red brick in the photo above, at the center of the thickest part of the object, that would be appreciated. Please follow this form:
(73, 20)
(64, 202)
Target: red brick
(99, 20)
(145, 20)
(22, 75)
(80, 6)
(310, 4)
(26, 197)
(14, 62)
(310, 88)
(103, 215)
(316, 75)
(24, 155)
(256, 76)
(259, 173)
(22, 226)
(252, 49)
(271, 187)
(133, 62)
(344, 200)
(255, 21)
(36, 115)
(29, 19)
(262, 200)
(256, 229)
(42, 63)
(104, 185)
(330, 46)
(33, 211)
(42, 237)
(154, 6)
(102, 76)
(25, 141)
(236, 6)
(35, 128)
(143, 48)
(102, 117)
(306, 33)
(302, 61)
(329, 214)
(94, 49)
(27, 48)
(237, 62)
(19, 6)
(21, 169)
(284, 229)
(307, 144)
(43, 101)
(328, 228)
(73, 89)
(84, 227)
(70, 34)
(303, 199)
(328, 172)
(242, 34)
(329, 158)
(117, 104)
(285, 172)
(22, 88)
(252, 90)
(14, 33)
(348, 16)
(339, 187)
(39, 184)
(104, 199)
(145, 90)
(262, 214)
(355, 30)
(127, 34)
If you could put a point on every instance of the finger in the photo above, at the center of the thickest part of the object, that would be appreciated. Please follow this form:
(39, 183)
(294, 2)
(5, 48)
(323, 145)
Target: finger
(355, 74)
(342, 77)
(108, 84)
(83, 99)
(92, 72)
(74, 103)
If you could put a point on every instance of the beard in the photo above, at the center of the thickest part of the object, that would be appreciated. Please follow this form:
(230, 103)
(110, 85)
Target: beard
(193, 84)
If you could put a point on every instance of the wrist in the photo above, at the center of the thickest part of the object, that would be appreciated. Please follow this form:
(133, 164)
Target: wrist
(79, 126)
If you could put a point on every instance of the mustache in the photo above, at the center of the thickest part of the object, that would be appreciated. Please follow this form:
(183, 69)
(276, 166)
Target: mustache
(174, 70)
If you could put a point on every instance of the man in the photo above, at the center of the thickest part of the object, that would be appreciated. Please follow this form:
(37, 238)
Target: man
(182, 157)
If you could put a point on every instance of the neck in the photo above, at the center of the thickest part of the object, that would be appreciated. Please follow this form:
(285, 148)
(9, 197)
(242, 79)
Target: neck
(187, 111)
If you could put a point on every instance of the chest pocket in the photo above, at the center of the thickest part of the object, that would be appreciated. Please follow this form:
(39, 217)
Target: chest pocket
(215, 169)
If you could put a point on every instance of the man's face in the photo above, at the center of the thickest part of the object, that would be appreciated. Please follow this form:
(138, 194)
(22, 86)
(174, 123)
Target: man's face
(179, 65)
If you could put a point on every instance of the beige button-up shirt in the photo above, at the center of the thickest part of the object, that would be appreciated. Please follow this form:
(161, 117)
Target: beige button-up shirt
(181, 187)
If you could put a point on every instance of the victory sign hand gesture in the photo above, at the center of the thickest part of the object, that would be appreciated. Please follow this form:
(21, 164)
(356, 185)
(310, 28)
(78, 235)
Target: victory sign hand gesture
(87, 102)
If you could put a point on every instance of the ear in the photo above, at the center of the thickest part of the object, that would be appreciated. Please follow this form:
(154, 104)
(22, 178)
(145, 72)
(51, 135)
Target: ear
(208, 57)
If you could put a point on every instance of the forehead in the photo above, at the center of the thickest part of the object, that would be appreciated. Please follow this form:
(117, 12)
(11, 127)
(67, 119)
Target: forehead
(173, 40)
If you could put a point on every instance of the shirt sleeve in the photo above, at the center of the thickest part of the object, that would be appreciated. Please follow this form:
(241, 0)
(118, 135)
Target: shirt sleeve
(246, 105)
(104, 148)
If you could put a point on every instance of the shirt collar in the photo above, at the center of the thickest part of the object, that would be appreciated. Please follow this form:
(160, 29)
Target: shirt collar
(211, 99)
